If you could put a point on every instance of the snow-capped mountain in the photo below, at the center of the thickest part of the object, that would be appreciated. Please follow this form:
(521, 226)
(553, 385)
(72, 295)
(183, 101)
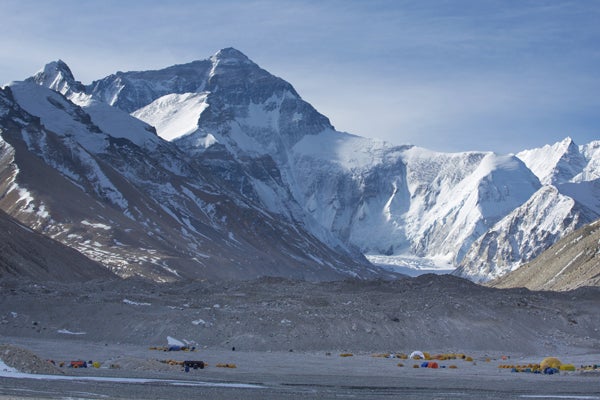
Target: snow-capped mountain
(524, 234)
(558, 163)
(104, 183)
(569, 199)
(384, 199)
(230, 126)
(57, 76)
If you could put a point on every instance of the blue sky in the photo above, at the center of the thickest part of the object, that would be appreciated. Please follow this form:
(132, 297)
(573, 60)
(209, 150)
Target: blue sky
(446, 75)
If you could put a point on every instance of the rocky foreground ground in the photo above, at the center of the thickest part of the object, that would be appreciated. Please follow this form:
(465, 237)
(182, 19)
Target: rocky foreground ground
(293, 334)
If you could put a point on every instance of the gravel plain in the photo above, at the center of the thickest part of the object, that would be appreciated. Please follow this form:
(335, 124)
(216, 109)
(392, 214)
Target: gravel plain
(287, 339)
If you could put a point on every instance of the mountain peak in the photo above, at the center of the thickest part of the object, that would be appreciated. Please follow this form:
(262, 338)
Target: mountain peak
(56, 75)
(54, 68)
(230, 55)
(566, 143)
(557, 163)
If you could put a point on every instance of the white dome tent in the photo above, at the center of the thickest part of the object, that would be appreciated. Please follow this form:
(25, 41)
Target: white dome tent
(417, 355)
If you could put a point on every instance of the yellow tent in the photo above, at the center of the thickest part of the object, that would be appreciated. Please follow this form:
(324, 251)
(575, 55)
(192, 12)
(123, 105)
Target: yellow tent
(551, 362)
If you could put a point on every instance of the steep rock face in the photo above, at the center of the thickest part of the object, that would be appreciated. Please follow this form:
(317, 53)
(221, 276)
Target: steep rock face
(131, 90)
(241, 99)
(571, 262)
(136, 203)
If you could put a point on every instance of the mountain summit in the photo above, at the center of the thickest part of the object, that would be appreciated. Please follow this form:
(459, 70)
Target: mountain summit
(245, 100)
(231, 56)
(57, 76)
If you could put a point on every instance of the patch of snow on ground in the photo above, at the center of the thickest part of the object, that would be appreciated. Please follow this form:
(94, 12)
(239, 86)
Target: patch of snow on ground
(6, 369)
(12, 373)
(565, 267)
(232, 238)
(42, 211)
(135, 303)
(171, 270)
(68, 332)
(24, 195)
(316, 259)
(95, 225)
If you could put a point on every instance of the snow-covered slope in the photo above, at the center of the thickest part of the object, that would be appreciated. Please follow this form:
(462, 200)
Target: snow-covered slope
(253, 134)
(407, 200)
(591, 152)
(569, 199)
(557, 163)
(174, 115)
(524, 234)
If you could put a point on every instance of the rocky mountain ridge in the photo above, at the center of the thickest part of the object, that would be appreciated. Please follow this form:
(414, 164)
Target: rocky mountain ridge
(570, 263)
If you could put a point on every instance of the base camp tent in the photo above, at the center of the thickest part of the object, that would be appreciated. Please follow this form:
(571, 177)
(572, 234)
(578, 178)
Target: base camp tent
(550, 362)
